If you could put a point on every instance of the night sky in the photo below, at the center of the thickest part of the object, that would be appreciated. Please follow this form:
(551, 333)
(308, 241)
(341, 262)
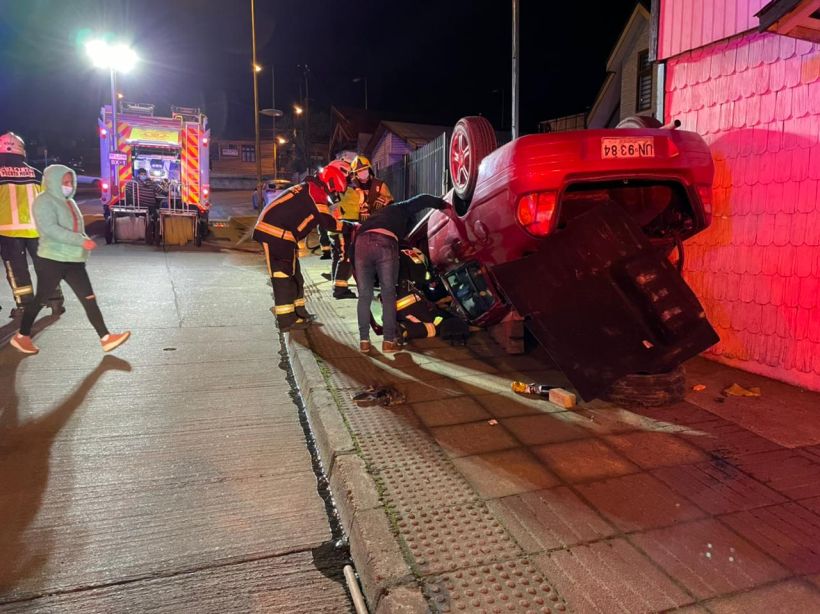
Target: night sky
(434, 60)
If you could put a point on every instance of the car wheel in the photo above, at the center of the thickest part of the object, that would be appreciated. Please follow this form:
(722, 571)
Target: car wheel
(109, 229)
(639, 121)
(473, 138)
(649, 390)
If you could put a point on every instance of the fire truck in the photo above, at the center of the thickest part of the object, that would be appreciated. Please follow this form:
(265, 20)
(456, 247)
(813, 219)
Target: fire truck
(174, 152)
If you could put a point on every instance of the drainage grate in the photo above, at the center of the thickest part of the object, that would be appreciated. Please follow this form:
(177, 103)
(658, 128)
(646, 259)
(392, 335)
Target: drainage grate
(512, 586)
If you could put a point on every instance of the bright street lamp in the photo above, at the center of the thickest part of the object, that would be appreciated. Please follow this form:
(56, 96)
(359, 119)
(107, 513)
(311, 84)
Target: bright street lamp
(281, 140)
(116, 58)
(297, 109)
(257, 68)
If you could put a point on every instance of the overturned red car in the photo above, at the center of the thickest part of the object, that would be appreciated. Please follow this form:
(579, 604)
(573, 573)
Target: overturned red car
(574, 232)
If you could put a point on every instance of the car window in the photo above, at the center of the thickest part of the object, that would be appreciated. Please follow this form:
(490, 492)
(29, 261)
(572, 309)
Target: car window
(469, 287)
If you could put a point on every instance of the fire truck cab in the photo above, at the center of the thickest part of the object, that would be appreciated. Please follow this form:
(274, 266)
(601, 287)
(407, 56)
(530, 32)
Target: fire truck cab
(174, 152)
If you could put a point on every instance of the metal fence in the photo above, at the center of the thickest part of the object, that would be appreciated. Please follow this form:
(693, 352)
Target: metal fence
(421, 171)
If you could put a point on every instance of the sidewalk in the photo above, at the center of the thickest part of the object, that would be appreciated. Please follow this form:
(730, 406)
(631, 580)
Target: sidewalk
(471, 498)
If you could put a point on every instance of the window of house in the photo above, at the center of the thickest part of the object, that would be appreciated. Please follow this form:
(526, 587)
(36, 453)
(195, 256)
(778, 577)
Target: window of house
(644, 99)
(248, 153)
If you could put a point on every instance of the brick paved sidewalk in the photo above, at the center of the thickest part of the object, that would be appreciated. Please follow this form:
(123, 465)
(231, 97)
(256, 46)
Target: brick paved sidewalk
(471, 498)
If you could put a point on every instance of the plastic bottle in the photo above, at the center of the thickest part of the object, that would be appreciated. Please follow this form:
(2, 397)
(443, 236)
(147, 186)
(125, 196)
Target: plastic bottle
(542, 390)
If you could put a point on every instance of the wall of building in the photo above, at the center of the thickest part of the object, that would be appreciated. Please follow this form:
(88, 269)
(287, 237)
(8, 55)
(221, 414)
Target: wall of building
(689, 24)
(629, 75)
(755, 98)
(389, 150)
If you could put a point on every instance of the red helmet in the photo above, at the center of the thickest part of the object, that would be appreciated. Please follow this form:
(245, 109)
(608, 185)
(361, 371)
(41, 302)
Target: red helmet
(333, 179)
(342, 165)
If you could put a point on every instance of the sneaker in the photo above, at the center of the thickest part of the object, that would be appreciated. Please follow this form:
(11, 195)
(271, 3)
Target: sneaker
(388, 347)
(364, 346)
(327, 276)
(24, 344)
(346, 293)
(114, 340)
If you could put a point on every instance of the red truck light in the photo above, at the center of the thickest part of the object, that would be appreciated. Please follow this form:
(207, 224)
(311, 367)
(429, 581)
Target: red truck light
(103, 132)
(535, 212)
(105, 186)
(205, 141)
(205, 191)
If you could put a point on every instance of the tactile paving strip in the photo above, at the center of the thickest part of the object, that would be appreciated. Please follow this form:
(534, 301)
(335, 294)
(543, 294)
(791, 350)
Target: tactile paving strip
(512, 586)
(399, 448)
(461, 536)
(417, 486)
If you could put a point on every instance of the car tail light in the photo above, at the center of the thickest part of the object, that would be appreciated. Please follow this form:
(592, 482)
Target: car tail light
(705, 193)
(535, 212)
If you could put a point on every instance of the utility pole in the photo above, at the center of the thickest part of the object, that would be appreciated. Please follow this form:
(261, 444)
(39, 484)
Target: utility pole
(515, 118)
(256, 96)
(306, 71)
(273, 117)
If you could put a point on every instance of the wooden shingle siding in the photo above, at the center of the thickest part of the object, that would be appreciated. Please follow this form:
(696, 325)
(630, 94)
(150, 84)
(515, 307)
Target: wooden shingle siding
(755, 98)
(690, 24)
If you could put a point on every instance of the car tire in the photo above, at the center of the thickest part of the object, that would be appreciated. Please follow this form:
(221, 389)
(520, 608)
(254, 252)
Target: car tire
(109, 229)
(640, 122)
(648, 390)
(473, 138)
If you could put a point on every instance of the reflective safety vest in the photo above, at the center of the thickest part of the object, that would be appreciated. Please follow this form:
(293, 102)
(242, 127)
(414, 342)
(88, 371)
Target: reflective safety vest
(16, 204)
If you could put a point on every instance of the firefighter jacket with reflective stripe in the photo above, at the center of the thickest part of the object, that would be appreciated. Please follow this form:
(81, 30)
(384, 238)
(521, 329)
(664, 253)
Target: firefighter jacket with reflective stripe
(371, 197)
(19, 186)
(294, 213)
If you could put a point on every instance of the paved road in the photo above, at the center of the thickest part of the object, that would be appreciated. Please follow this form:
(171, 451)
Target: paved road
(173, 477)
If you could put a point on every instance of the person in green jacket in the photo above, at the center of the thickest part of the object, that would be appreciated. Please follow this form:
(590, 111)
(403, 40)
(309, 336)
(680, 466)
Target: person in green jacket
(63, 250)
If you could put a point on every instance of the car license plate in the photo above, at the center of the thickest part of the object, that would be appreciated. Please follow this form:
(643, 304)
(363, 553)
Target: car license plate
(615, 148)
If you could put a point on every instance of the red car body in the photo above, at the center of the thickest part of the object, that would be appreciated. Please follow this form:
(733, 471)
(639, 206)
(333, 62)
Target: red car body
(573, 232)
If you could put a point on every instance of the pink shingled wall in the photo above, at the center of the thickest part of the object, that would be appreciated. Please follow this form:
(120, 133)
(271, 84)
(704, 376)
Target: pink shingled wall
(689, 24)
(755, 98)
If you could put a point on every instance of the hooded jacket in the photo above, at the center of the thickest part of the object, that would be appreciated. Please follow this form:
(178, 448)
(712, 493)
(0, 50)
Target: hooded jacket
(58, 219)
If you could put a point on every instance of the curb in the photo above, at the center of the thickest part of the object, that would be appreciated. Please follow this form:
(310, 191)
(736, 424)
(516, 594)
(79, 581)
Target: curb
(387, 581)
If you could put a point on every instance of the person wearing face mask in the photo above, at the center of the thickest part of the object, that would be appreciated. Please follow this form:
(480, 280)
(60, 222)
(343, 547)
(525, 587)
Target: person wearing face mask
(63, 250)
(373, 192)
(19, 186)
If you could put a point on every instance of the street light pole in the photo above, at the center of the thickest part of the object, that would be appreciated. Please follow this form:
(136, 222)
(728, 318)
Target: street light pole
(256, 97)
(515, 119)
(273, 117)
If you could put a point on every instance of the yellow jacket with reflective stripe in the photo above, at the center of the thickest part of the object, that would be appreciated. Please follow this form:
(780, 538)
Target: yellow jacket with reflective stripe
(16, 202)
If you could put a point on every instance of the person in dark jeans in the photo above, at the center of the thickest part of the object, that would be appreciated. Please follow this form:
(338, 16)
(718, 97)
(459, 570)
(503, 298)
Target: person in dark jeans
(63, 250)
(376, 255)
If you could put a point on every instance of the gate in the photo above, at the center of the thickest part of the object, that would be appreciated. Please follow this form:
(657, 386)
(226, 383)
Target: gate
(421, 171)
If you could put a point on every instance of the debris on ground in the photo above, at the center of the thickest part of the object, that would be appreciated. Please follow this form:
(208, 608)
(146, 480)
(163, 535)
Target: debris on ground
(385, 396)
(736, 390)
(699, 387)
(541, 390)
(562, 398)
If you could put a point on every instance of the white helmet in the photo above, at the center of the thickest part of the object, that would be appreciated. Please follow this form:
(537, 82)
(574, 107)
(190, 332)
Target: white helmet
(347, 155)
(12, 144)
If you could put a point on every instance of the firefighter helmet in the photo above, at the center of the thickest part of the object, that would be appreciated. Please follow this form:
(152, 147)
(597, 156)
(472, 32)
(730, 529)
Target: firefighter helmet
(342, 164)
(10, 143)
(333, 179)
(360, 163)
(347, 155)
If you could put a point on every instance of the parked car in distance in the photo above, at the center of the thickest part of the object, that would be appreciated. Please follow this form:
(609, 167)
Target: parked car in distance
(271, 188)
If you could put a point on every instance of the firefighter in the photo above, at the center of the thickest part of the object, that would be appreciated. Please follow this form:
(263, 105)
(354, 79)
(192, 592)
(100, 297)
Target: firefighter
(19, 186)
(347, 210)
(373, 193)
(281, 225)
